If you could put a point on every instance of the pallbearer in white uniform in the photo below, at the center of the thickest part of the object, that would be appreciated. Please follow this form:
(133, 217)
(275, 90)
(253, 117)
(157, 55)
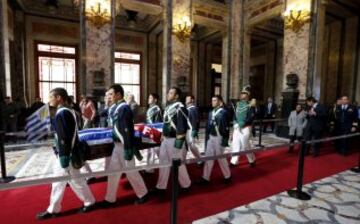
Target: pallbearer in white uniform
(172, 146)
(192, 135)
(243, 118)
(153, 115)
(217, 137)
(66, 140)
(124, 152)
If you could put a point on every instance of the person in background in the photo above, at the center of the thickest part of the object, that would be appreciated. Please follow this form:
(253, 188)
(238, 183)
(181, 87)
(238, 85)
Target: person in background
(36, 105)
(10, 113)
(217, 137)
(253, 104)
(346, 123)
(88, 111)
(65, 140)
(316, 123)
(297, 122)
(134, 106)
(103, 111)
(270, 113)
(192, 133)
(332, 117)
(74, 105)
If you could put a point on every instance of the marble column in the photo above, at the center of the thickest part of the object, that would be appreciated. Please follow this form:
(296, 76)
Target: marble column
(202, 73)
(225, 76)
(176, 66)
(316, 45)
(240, 49)
(302, 50)
(151, 78)
(5, 78)
(97, 50)
(18, 78)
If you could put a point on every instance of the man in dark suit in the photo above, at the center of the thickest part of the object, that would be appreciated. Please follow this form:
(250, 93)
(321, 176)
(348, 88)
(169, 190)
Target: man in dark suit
(317, 117)
(270, 113)
(346, 122)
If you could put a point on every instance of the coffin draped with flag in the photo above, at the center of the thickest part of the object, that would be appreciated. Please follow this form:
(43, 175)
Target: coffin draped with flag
(100, 141)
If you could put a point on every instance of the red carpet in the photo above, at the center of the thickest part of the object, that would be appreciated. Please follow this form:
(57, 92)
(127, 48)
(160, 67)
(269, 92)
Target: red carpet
(275, 172)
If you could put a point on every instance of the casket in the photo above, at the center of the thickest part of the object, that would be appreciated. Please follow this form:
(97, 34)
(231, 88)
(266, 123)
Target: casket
(99, 142)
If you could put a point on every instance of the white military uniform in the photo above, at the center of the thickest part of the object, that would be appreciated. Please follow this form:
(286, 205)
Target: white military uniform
(168, 152)
(241, 141)
(152, 153)
(214, 148)
(79, 185)
(117, 162)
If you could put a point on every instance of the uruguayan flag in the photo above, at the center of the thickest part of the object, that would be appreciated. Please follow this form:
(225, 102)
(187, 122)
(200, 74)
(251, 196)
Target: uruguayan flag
(38, 124)
(96, 136)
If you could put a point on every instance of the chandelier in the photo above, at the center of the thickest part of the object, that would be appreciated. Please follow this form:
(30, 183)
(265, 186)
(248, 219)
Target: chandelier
(182, 29)
(97, 14)
(296, 16)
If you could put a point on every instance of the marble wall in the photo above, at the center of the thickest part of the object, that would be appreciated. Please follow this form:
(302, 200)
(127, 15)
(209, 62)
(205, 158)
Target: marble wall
(181, 50)
(296, 55)
(99, 44)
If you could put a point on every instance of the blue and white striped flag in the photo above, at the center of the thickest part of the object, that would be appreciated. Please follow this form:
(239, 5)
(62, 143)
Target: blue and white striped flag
(38, 124)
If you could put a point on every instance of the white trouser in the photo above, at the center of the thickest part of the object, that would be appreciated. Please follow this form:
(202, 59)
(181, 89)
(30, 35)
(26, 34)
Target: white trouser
(241, 142)
(88, 169)
(191, 143)
(167, 153)
(152, 153)
(214, 148)
(79, 186)
(117, 162)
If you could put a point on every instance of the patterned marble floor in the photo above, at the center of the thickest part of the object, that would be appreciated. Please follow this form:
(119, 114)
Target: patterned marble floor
(35, 162)
(335, 199)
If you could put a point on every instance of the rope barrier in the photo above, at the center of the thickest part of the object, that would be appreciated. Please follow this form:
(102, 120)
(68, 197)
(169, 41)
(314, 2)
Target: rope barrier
(32, 182)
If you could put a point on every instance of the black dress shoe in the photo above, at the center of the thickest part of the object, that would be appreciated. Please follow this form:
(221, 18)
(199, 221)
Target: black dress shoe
(107, 204)
(185, 190)
(88, 208)
(91, 180)
(157, 191)
(46, 215)
(227, 180)
(233, 165)
(142, 200)
(252, 165)
(203, 181)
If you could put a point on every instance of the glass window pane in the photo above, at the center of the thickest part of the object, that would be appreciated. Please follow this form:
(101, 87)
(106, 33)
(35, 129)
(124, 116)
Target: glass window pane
(43, 47)
(56, 49)
(69, 50)
(44, 68)
(129, 56)
(127, 73)
(134, 89)
(217, 67)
